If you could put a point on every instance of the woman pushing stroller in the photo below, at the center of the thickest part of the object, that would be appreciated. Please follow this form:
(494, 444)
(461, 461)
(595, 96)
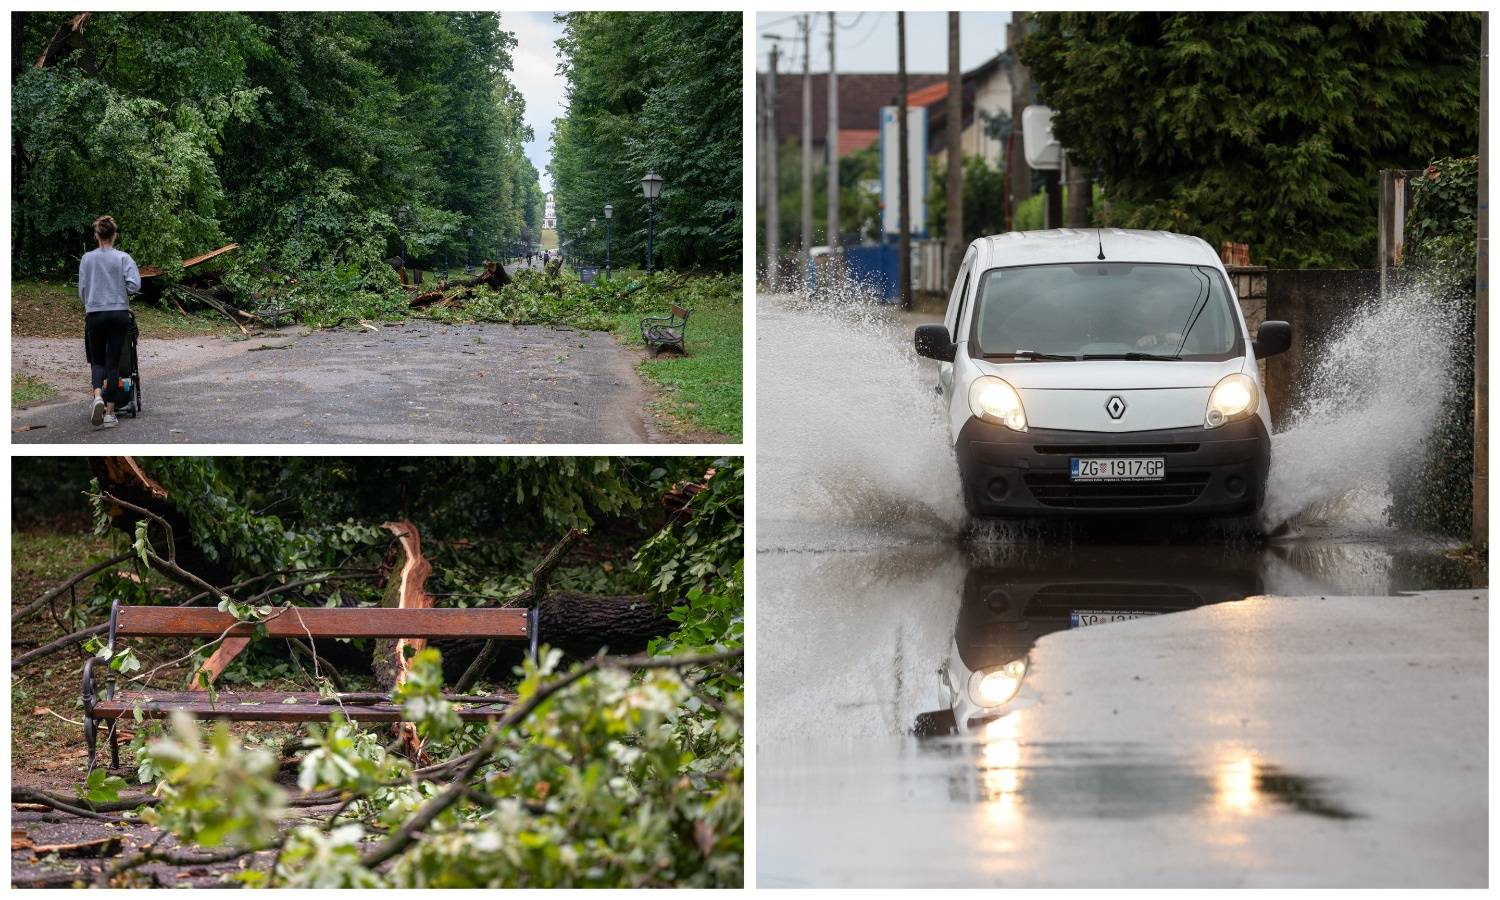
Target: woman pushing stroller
(106, 279)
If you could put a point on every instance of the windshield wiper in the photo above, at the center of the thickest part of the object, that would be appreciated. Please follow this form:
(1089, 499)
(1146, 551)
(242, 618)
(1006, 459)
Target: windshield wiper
(1128, 356)
(1030, 354)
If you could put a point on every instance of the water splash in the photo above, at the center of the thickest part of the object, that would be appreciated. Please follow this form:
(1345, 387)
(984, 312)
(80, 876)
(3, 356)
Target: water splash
(851, 431)
(1374, 391)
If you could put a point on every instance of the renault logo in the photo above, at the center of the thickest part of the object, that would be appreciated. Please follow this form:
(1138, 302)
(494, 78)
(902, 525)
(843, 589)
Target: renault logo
(1115, 406)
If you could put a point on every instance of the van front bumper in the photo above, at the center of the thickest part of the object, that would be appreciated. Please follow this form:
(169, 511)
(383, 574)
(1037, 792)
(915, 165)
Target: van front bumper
(1220, 471)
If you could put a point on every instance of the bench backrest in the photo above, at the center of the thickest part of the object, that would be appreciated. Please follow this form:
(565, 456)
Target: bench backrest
(681, 313)
(176, 621)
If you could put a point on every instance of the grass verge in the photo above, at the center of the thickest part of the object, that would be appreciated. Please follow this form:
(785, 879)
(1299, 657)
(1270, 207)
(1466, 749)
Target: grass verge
(704, 389)
(28, 389)
(50, 308)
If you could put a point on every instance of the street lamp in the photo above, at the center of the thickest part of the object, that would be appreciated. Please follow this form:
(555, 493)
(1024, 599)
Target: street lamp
(402, 213)
(593, 236)
(609, 213)
(651, 189)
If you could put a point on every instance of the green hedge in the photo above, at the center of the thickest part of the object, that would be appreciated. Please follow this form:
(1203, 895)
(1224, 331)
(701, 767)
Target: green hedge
(1435, 494)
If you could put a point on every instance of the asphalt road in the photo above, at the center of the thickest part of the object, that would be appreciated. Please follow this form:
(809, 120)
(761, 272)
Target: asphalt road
(1278, 740)
(412, 382)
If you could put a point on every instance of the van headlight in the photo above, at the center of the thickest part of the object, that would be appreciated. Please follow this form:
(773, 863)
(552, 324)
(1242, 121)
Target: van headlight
(1234, 397)
(997, 687)
(994, 400)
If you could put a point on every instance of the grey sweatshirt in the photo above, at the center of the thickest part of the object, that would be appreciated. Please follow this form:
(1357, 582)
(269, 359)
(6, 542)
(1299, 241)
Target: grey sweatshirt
(106, 279)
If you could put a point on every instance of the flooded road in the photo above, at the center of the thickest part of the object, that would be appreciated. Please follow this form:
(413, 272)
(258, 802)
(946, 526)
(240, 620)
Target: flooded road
(940, 704)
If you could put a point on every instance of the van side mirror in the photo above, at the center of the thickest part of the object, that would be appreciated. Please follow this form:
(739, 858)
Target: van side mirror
(933, 342)
(1272, 338)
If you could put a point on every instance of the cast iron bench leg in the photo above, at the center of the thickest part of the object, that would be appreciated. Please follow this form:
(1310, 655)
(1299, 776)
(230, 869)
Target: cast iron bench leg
(90, 725)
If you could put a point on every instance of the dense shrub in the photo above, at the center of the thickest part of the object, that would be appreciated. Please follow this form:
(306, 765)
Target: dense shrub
(1435, 491)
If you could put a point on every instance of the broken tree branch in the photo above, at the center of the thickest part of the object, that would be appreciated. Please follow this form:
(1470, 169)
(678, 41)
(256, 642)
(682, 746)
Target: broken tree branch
(26, 795)
(531, 596)
(52, 647)
(36, 606)
(402, 837)
(21, 795)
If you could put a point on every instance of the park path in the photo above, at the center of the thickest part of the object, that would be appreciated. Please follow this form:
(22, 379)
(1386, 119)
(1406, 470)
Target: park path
(411, 382)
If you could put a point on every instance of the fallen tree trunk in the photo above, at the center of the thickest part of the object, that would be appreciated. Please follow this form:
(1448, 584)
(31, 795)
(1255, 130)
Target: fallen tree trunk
(578, 624)
(431, 298)
(493, 276)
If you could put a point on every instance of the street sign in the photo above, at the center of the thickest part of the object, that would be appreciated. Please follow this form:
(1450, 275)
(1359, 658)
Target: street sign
(916, 158)
(1042, 149)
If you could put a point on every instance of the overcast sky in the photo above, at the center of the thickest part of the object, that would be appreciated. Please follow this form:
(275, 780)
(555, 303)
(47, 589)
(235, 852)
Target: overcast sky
(867, 41)
(536, 77)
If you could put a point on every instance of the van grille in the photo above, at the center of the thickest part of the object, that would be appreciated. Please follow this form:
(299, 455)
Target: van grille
(1057, 489)
(1114, 449)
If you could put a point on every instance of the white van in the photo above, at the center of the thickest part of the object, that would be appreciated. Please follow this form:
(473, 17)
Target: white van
(1102, 371)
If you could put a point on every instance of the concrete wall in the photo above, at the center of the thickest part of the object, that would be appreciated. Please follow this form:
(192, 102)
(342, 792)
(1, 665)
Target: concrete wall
(1313, 301)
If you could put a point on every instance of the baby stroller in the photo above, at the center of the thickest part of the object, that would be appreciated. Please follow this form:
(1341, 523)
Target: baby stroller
(130, 373)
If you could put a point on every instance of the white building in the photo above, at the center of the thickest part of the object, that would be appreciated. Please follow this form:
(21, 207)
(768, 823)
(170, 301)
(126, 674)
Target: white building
(549, 213)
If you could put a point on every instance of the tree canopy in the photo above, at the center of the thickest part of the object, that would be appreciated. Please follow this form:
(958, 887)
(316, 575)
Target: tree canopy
(614, 757)
(195, 129)
(652, 91)
(1266, 128)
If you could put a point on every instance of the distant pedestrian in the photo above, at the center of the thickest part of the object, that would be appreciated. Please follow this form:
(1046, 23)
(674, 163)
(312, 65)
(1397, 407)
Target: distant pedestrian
(106, 279)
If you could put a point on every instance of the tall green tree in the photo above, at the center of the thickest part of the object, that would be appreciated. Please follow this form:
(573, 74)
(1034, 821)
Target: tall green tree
(653, 91)
(197, 128)
(1266, 128)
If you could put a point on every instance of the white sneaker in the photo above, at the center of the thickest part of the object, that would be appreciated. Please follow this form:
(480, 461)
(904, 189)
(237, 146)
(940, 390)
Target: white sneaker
(109, 421)
(96, 412)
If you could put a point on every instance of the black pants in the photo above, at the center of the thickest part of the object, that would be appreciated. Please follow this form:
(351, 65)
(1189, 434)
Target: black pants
(106, 337)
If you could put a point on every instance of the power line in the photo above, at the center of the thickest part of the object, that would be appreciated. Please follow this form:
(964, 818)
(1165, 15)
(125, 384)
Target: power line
(874, 27)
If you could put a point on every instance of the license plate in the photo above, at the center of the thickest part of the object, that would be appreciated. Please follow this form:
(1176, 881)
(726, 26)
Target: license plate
(1082, 618)
(1130, 468)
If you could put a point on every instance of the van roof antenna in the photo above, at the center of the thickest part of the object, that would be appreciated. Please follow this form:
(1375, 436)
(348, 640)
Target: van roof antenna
(1100, 233)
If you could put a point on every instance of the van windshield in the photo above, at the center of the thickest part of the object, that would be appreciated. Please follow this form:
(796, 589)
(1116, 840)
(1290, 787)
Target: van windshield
(1105, 310)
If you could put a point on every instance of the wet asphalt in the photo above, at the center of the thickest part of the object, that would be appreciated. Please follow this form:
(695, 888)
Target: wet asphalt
(1308, 708)
(1284, 715)
(412, 382)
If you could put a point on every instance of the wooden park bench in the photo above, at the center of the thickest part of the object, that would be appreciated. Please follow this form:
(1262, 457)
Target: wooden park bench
(291, 622)
(660, 332)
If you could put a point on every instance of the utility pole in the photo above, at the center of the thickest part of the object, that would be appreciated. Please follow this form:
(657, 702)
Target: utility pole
(1480, 532)
(1017, 172)
(833, 137)
(773, 176)
(807, 137)
(1080, 194)
(903, 266)
(955, 223)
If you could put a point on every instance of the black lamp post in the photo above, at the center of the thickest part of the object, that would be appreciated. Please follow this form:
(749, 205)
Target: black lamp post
(402, 213)
(593, 236)
(609, 213)
(651, 188)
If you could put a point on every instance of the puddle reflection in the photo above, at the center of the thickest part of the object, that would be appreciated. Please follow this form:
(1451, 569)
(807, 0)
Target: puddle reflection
(1014, 595)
